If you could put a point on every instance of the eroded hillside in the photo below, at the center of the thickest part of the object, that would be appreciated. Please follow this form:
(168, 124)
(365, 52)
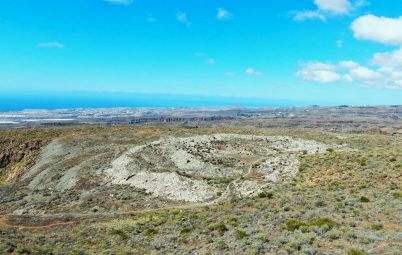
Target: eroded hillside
(167, 189)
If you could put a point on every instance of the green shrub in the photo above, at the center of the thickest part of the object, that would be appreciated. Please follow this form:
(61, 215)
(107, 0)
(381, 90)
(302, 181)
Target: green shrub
(364, 199)
(376, 226)
(151, 232)
(319, 203)
(209, 240)
(241, 234)
(293, 224)
(323, 222)
(221, 245)
(397, 195)
(120, 233)
(186, 231)
(354, 251)
(232, 221)
(334, 234)
(220, 227)
(269, 195)
(182, 240)
(22, 250)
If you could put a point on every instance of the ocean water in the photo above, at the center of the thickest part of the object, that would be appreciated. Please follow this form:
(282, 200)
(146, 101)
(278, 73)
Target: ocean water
(110, 100)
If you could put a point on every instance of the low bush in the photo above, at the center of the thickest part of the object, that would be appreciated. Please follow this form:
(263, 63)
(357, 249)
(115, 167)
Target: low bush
(323, 222)
(376, 226)
(355, 251)
(120, 233)
(186, 231)
(397, 195)
(241, 234)
(232, 221)
(364, 199)
(293, 224)
(333, 234)
(269, 195)
(220, 227)
(151, 232)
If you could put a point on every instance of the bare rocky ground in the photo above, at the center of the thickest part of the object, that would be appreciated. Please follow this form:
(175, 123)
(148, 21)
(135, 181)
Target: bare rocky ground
(180, 190)
(187, 169)
(197, 168)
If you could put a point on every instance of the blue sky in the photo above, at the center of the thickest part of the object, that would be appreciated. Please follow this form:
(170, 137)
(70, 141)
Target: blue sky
(334, 51)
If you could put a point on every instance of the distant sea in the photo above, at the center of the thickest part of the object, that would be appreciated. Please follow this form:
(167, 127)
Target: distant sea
(111, 100)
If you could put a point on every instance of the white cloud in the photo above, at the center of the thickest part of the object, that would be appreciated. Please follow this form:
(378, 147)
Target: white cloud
(305, 15)
(384, 69)
(385, 72)
(379, 29)
(334, 6)
(339, 43)
(390, 65)
(119, 2)
(388, 59)
(56, 45)
(320, 72)
(328, 8)
(365, 75)
(361, 3)
(223, 14)
(182, 18)
(210, 61)
(348, 64)
(229, 74)
(250, 71)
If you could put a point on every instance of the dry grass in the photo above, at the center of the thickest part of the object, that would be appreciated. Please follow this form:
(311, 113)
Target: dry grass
(329, 186)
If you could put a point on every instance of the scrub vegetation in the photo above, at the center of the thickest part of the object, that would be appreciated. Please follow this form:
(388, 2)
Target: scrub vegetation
(345, 200)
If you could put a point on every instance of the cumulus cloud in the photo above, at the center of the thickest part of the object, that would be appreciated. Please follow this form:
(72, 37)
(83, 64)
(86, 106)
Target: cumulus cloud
(348, 64)
(385, 71)
(378, 29)
(306, 14)
(390, 65)
(223, 14)
(210, 61)
(182, 18)
(334, 6)
(319, 72)
(250, 71)
(361, 3)
(365, 75)
(388, 59)
(56, 45)
(119, 2)
(325, 8)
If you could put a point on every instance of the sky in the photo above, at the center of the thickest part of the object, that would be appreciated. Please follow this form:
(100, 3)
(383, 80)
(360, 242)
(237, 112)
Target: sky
(315, 51)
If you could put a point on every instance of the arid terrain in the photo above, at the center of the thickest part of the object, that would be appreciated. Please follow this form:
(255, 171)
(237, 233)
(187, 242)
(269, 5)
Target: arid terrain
(246, 186)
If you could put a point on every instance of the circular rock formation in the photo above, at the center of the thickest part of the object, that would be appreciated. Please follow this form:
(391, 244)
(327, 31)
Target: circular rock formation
(210, 168)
